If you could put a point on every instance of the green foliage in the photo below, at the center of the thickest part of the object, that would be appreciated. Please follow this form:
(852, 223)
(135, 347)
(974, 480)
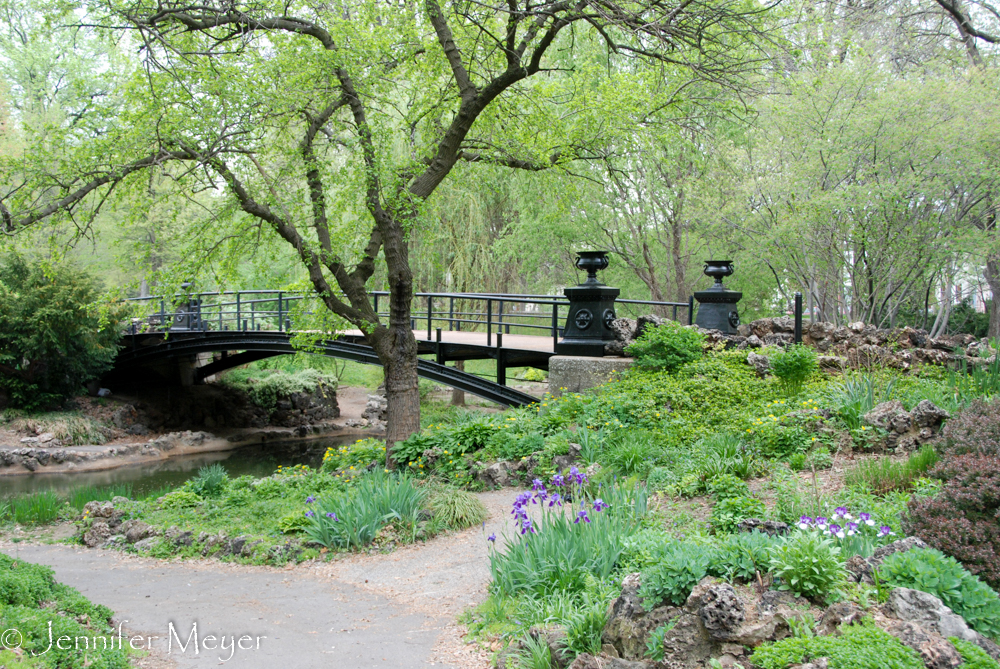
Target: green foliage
(457, 508)
(742, 556)
(654, 644)
(817, 458)
(180, 499)
(882, 475)
(931, 571)
(562, 555)
(678, 568)
(858, 394)
(631, 452)
(35, 508)
(972, 382)
(584, 628)
(973, 657)
(861, 646)
(266, 387)
(360, 512)
(71, 429)
(727, 486)
(210, 481)
(360, 455)
(793, 366)
(534, 653)
(727, 513)
(666, 347)
(78, 497)
(809, 565)
(54, 334)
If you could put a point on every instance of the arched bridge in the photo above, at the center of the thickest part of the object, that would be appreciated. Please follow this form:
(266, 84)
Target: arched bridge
(242, 327)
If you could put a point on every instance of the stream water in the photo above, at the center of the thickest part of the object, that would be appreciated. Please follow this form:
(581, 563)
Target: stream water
(258, 460)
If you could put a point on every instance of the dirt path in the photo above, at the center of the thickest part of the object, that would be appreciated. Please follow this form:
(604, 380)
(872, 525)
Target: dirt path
(394, 610)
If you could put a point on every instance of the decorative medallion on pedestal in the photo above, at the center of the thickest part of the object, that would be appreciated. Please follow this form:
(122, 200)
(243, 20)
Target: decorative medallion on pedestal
(717, 310)
(591, 310)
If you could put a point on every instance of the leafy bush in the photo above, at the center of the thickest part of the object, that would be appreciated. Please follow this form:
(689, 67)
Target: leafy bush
(882, 475)
(631, 453)
(727, 486)
(809, 565)
(742, 556)
(728, 513)
(793, 366)
(933, 572)
(666, 347)
(726, 453)
(962, 520)
(973, 657)
(974, 430)
(360, 455)
(210, 481)
(54, 336)
(777, 437)
(858, 647)
(858, 394)
(457, 508)
(179, 499)
(678, 569)
(817, 458)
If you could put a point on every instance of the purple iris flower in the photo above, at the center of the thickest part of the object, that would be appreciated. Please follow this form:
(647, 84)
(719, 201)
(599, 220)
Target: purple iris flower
(310, 514)
(555, 499)
(558, 481)
(492, 537)
(837, 531)
(821, 522)
(600, 505)
(841, 512)
(526, 526)
(852, 529)
(885, 531)
(866, 518)
(310, 499)
(582, 515)
(805, 522)
(332, 516)
(537, 485)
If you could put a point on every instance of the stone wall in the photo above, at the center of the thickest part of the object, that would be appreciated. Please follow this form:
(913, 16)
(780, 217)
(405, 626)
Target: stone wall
(853, 345)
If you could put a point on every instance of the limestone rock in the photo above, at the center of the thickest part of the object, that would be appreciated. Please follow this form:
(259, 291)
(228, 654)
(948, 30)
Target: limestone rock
(498, 474)
(629, 624)
(98, 533)
(936, 651)
(136, 530)
(929, 612)
(861, 568)
(376, 410)
(882, 415)
(837, 615)
(721, 611)
(147, 544)
(644, 322)
(927, 414)
(760, 363)
(772, 528)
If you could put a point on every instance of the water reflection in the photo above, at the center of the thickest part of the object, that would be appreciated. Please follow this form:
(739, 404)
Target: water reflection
(258, 460)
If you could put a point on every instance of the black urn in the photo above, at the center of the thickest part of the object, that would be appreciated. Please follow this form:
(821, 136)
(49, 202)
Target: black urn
(717, 310)
(591, 310)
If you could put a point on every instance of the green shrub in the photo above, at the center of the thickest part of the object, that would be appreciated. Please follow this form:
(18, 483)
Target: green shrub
(808, 564)
(882, 475)
(534, 653)
(742, 556)
(776, 437)
(54, 335)
(858, 394)
(266, 387)
(818, 458)
(666, 347)
(728, 513)
(457, 508)
(210, 481)
(931, 571)
(584, 628)
(360, 455)
(793, 366)
(631, 453)
(678, 569)
(973, 657)
(861, 646)
(179, 499)
(727, 486)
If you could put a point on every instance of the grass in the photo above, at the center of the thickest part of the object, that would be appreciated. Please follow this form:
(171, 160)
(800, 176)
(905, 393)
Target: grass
(70, 428)
(457, 508)
(883, 475)
(79, 497)
(36, 508)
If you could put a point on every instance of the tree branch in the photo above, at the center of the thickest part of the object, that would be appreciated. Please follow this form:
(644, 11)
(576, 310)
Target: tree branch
(451, 51)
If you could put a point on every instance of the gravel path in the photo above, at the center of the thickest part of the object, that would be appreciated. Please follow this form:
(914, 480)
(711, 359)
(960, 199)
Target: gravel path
(393, 610)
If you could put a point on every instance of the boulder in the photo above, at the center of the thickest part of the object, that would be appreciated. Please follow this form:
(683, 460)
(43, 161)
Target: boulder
(930, 613)
(760, 363)
(147, 544)
(838, 615)
(883, 415)
(861, 568)
(721, 611)
(644, 322)
(497, 474)
(772, 528)
(629, 624)
(98, 533)
(927, 414)
(936, 651)
(136, 530)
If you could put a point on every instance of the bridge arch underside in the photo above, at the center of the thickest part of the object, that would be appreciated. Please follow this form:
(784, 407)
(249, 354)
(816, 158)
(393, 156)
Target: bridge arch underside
(172, 360)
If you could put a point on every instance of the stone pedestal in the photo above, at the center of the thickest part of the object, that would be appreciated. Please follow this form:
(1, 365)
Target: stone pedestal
(572, 373)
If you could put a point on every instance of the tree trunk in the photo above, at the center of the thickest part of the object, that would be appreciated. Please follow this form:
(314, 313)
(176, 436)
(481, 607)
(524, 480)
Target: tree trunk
(458, 396)
(992, 275)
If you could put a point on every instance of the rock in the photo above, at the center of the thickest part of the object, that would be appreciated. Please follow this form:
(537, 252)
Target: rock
(644, 322)
(936, 651)
(497, 474)
(136, 530)
(138, 429)
(147, 544)
(883, 415)
(376, 409)
(831, 362)
(116, 541)
(772, 528)
(929, 612)
(555, 639)
(588, 661)
(46, 437)
(753, 341)
(837, 615)
(721, 611)
(927, 414)
(97, 509)
(124, 417)
(98, 533)
(861, 568)
(119, 500)
(103, 392)
(629, 624)
(760, 363)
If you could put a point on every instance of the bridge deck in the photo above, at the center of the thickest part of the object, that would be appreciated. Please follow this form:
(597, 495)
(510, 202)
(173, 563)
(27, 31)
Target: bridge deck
(516, 342)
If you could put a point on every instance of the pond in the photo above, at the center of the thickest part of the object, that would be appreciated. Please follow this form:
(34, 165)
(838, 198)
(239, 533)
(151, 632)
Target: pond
(258, 460)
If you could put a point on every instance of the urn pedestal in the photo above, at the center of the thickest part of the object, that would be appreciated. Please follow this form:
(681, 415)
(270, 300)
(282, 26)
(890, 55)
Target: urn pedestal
(591, 310)
(717, 310)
